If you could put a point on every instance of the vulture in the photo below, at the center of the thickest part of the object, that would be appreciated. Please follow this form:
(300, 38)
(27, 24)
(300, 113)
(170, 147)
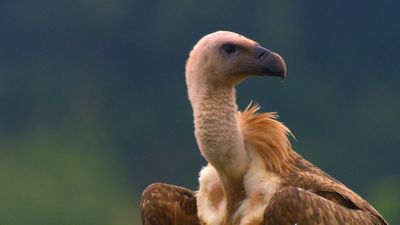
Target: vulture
(253, 176)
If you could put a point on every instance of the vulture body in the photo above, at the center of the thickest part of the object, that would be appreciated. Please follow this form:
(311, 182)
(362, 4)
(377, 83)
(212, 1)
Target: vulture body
(253, 176)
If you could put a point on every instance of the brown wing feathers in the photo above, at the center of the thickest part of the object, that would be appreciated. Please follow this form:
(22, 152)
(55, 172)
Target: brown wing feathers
(163, 204)
(292, 205)
(311, 178)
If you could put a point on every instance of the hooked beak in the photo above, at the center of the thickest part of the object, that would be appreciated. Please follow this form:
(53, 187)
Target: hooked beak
(270, 63)
(263, 62)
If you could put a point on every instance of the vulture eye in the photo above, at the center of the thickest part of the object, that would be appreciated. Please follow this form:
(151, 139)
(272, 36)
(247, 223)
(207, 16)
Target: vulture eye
(230, 49)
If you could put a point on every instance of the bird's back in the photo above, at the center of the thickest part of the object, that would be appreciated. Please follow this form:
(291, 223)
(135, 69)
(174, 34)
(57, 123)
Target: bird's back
(309, 177)
(267, 137)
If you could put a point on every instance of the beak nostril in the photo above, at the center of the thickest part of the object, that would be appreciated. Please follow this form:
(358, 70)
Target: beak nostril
(262, 55)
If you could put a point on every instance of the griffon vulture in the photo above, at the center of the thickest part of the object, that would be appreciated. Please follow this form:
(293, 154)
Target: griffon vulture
(253, 176)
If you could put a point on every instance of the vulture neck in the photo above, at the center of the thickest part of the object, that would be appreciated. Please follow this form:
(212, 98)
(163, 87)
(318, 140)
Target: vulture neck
(220, 139)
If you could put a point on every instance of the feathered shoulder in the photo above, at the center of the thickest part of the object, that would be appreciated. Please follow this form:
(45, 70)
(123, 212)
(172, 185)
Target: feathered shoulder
(268, 137)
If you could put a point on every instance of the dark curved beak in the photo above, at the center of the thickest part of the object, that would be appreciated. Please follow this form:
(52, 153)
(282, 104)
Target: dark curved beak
(268, 63)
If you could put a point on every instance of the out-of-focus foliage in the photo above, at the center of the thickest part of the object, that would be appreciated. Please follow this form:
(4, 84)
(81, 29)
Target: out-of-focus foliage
(46, 179)
(384, 194)
(93, 105)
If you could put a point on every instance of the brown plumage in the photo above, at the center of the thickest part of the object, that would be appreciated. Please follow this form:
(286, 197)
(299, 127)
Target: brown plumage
(168, 205)
(253, 176)
(265, 134)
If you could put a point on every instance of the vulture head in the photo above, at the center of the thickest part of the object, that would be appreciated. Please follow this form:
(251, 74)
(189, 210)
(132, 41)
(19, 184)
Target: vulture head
(225, 58)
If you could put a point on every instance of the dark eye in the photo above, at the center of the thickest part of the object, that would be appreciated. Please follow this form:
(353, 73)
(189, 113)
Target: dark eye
(230, 49)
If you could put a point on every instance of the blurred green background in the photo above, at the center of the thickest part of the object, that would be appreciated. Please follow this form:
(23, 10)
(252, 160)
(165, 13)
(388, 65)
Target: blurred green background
(93, 103)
